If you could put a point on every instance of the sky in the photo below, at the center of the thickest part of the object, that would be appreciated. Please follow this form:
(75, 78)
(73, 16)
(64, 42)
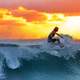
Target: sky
(35, 19)
(44, 5)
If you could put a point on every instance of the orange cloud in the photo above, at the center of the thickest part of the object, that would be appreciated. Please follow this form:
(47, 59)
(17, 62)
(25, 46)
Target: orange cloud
(22, 23)
(17, 27)
(29, 15)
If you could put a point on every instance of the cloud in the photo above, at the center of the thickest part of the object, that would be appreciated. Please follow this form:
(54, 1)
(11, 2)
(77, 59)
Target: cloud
(29, 15)
(22, 23)
(14, 24)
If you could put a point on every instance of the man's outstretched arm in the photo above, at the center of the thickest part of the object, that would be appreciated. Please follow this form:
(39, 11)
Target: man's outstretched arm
(59, 35)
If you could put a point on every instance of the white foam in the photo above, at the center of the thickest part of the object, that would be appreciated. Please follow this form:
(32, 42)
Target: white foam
(33, 49)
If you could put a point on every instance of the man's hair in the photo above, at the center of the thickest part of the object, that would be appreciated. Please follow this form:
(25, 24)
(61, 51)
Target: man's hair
(56, 29)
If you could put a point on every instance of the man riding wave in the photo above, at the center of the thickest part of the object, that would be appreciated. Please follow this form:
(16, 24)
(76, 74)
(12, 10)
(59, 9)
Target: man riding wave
(51, 37)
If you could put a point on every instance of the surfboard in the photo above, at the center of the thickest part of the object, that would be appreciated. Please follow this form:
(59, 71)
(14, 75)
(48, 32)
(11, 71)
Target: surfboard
(61, 45)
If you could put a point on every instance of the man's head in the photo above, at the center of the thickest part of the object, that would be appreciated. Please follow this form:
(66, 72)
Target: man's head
(56, 29)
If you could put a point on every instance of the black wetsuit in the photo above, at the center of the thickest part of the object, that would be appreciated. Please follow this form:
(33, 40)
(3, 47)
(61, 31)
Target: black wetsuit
(52, 40)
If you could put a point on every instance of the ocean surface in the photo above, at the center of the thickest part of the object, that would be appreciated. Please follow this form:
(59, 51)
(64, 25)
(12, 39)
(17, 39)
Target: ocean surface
(39, 60)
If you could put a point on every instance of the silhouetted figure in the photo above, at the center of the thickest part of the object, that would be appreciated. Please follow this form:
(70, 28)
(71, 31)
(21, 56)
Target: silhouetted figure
(51, 37)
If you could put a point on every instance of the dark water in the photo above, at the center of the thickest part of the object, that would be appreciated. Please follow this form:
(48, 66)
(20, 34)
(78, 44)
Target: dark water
(46, 68)
(39, 60)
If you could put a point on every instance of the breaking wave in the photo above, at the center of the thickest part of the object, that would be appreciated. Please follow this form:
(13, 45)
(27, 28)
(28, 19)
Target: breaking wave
(14, 54)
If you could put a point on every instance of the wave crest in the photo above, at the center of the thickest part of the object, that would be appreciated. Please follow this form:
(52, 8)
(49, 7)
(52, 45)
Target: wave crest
(12, 54)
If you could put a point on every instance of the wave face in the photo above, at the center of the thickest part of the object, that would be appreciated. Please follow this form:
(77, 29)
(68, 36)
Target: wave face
(39, 60)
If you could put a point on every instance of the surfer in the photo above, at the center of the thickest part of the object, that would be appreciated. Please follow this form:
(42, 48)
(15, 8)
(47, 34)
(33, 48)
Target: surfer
(51, 37)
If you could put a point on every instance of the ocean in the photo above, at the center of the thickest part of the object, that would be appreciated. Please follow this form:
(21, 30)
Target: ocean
(39, 60)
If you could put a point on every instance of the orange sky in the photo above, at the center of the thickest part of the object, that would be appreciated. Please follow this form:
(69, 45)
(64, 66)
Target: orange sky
(44, 5)
(28, 19)
(23, 23)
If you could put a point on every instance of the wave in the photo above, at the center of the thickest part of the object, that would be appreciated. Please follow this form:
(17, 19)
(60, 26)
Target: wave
(46, 67)
(12, 53)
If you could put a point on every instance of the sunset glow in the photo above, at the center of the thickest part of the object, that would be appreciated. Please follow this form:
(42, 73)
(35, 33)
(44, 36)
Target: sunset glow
(22, 23)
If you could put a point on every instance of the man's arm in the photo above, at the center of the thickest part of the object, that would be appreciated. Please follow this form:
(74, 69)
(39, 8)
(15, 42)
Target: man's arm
(59, 35)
